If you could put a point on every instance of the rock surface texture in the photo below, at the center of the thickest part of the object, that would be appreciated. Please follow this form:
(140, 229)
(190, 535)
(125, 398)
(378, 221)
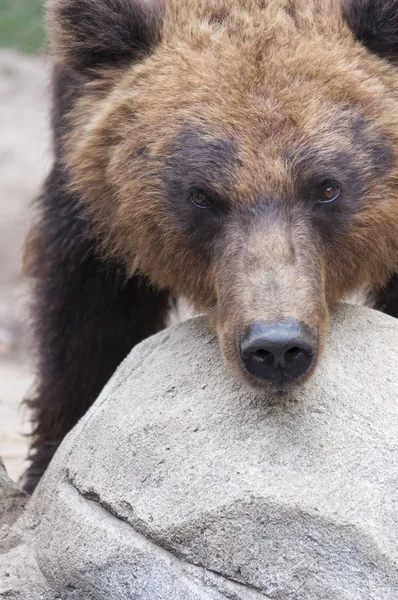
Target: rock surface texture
(20, 576)
(182, 484)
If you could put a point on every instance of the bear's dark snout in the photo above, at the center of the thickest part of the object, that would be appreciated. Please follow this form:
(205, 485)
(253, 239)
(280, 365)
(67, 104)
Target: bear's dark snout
(278, 352)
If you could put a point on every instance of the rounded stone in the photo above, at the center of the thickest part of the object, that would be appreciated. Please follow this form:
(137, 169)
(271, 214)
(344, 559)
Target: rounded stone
(182, 483)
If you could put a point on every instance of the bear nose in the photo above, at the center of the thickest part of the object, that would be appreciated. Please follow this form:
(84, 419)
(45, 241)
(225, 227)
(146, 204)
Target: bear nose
(278, 353)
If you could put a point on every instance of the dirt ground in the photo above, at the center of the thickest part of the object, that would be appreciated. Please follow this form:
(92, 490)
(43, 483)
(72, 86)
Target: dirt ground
(24, 162)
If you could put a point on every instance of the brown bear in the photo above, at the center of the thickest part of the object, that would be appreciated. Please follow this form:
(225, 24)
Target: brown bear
(241, 154)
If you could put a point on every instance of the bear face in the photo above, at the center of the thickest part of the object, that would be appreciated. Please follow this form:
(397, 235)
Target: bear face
(241, 154)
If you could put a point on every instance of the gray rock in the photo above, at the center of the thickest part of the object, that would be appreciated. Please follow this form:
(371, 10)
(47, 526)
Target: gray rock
(12, 502)
(20, 576)
(182, 484)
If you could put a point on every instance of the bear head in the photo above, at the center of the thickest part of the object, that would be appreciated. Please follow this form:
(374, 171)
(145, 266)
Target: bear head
(241, 154)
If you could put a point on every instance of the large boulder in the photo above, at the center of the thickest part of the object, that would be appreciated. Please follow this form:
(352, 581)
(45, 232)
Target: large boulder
(183, 484)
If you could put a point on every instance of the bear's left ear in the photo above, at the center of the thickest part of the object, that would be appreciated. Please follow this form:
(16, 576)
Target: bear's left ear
(375, 24)
(86, 34)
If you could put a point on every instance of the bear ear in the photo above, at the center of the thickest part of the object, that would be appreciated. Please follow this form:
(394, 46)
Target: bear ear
(86, 34)
(375, 24)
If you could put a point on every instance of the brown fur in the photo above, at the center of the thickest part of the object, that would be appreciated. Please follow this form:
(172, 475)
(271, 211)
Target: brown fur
(238, 78)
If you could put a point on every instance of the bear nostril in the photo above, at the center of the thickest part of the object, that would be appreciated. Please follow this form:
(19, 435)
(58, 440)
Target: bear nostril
(265, 356)
(293, 354)
(278, 352)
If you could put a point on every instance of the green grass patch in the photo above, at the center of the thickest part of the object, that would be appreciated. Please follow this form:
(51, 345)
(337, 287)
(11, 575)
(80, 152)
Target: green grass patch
(21, 25)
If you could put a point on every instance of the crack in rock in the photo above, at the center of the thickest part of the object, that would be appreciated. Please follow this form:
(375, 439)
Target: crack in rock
(94, 497)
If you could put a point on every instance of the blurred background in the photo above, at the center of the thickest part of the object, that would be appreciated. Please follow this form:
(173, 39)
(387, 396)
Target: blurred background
(24, 163)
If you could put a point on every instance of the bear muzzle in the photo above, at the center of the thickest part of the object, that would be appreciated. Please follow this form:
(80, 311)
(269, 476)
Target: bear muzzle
(272, 314)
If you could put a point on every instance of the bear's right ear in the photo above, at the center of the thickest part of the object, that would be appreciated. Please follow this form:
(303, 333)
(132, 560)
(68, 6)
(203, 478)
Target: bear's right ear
(86, 34)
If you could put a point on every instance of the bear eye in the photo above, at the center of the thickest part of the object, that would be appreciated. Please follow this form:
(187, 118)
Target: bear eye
(330, 191)
(200, 199)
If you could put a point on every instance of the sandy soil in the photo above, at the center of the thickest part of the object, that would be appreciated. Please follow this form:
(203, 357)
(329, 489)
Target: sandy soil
(24, 161)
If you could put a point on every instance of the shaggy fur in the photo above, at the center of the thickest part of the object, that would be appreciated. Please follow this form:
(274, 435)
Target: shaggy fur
(91, 33)
(254, 102)
(375, 24)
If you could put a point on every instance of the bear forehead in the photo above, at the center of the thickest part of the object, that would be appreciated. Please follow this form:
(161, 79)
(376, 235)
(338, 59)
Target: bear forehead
(262, 85)
(269, 67)
(246, 19)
